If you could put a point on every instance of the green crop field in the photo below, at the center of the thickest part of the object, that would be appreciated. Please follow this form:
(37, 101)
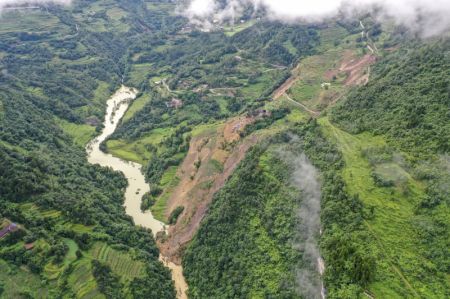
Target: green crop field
(231, 30)
(35, 21)
(120, 262)
(71, 253)
(139, 73)
(169, 182)
(82, 282)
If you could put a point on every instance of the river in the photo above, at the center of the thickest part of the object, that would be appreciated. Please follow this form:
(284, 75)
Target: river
(117, 105)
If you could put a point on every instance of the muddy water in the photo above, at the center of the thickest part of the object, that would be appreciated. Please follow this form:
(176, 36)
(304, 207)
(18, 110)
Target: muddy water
(117, 105)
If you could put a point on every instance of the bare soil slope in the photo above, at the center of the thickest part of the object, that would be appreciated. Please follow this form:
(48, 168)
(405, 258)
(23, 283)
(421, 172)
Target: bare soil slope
(212, 158)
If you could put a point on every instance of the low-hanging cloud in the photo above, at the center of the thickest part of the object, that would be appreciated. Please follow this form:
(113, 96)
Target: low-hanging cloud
(8, 4)
(305, 178)
(428, 17)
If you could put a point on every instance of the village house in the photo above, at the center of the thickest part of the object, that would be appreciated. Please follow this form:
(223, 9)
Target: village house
(174, 103)
(12, 227)
(259, 113)
(28, 246)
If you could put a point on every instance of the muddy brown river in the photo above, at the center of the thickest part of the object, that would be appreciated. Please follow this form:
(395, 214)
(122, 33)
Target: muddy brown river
(117, 105)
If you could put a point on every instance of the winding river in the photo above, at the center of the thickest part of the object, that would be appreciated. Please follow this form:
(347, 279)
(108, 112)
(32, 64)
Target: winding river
(117, 105)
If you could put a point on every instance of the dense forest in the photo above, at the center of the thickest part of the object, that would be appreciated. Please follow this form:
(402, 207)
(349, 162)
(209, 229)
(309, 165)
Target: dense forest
(242, 249)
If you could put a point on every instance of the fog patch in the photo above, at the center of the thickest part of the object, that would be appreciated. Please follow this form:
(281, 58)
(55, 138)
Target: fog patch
(305, 178)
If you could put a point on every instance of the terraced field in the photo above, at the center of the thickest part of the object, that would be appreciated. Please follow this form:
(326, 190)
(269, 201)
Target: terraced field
(18, 281)
(121, 263)
(82, 282)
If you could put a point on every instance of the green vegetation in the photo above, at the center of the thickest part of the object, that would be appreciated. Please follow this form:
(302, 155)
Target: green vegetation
(320, 78)
(313, 88)
(142, 149)
(175, 214)
(246, 252)
(136, 106)
(16, 282)
(407, 100)
(401, 113)
(231, 30)
(59, 66)
(253, 224)
(81, 134)
(382, 154)
(82, 281)
(392, 209)
(210, 77)
(169, 181)
(384, 210)
(120, 262)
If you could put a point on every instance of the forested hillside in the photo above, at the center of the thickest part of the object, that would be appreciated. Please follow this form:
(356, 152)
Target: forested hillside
(64, 207)
(57, 70)
(285, 159)
(252, 242)
(405, 107)
(384, 207)
(407, 100)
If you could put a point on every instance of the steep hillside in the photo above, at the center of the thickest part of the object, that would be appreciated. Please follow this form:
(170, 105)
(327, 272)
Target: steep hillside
(260, 236)
(407, 100)
(58, 67)
(285, 160)
(384, 203)
(397, 163)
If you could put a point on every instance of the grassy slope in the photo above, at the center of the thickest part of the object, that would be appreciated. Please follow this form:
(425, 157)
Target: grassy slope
(169, 182)
(17, 281)
(81, 134)
(335, 41)
(137, 150)
(80, 280)
(35, 21)
(400, 263)
(136, 106)
(120, 262)
(233, 29)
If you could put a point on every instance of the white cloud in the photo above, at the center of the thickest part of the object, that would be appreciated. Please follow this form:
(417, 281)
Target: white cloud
(201, 8)
(429, 17)
(13, 3)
